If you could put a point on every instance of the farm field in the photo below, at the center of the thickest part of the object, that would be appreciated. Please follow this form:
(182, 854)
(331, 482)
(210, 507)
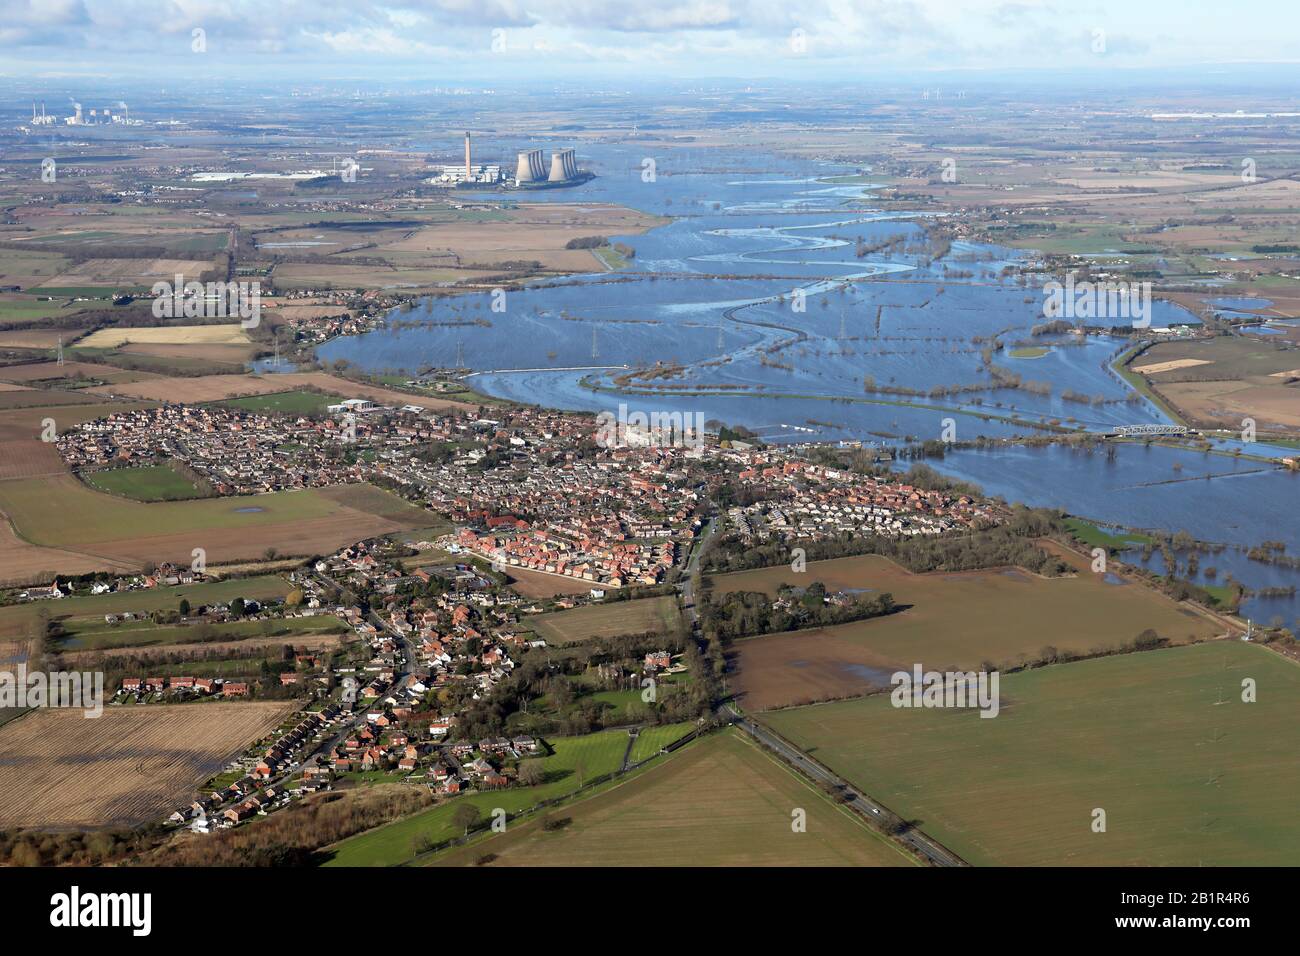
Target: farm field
(284, 403)
(74, 611)
(649, 740)
(215, 388)
(593, 755)
(61, 511)
(606, 620)
(145, 483)
(232, 334)
(1219, 381)
(129, 766)
(1187, 773)
(718, 802)
(538, 584)
(202, 654)
(99, 635)
(959, 620)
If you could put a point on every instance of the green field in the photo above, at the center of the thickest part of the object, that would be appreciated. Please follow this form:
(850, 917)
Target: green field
(1095, 537)
(718, 802)
(79, 612)
(284, 403)
(606, 620)
(1187, 774)
(147, 483)
(594, 754)
(63, 512)
(650, 740)
(99, 635)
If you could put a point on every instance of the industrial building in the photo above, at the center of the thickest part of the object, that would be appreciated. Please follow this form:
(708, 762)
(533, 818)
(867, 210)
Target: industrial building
(96, 117)
(530, 170)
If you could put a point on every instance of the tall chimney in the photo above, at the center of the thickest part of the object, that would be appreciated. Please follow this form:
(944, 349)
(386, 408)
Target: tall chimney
(467, 173)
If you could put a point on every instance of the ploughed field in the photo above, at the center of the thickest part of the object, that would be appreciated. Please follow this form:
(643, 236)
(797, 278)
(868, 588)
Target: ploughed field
(1187, 773)
(720, 801)
(957, 620)
(129, 766)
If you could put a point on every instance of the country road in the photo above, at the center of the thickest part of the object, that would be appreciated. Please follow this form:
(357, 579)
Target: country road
(918, 841)
(923, 845)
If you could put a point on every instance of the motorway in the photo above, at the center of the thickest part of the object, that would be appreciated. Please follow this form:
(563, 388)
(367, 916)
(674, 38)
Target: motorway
(923, 845)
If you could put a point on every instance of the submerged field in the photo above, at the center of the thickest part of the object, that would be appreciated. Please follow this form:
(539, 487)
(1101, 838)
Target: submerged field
(719, 802)
(1186, 772)
(960, 620)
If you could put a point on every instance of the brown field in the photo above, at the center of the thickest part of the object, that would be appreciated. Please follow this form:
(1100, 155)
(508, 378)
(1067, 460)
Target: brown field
(127, 767)
(533, 232)
(128, 272)
(52, 371)
(235, 355)
(953, 621)
(580, 624)
(32, 397)
(23, 563)
(1225, 404)
(231, 334)
(1157, 367)
(539, 584)
(37, 338)
(1217, 382)
(23, 454)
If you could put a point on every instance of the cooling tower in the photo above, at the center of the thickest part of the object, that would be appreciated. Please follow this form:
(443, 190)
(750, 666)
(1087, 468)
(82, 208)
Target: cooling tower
(529, 168)
(563, 165)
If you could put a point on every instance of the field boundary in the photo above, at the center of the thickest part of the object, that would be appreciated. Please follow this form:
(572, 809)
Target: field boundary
(478, 829)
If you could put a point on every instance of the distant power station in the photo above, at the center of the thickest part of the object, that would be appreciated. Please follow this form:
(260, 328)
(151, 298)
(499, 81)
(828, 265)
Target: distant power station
(530, 170)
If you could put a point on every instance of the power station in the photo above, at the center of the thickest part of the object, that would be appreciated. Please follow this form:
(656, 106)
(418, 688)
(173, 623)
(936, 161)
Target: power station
(531, 171)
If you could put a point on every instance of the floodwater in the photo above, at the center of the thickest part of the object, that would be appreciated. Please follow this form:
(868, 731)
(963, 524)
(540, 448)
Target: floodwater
(786, 301)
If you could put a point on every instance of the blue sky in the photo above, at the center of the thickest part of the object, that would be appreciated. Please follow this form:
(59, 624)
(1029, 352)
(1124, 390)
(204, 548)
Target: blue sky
(514, 40)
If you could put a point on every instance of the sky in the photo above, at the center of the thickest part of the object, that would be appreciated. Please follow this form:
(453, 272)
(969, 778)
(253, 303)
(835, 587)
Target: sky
(514, 40)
